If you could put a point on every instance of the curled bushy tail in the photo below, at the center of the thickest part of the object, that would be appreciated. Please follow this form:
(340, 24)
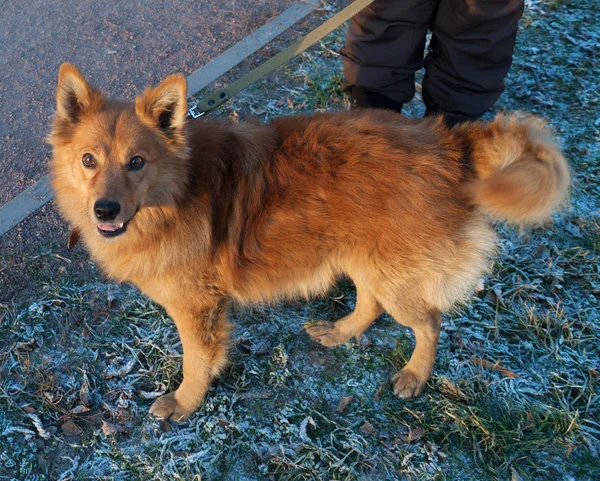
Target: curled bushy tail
(522, 175)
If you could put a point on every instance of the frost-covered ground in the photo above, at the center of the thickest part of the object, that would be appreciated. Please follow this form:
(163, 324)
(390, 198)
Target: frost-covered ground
(514, 393)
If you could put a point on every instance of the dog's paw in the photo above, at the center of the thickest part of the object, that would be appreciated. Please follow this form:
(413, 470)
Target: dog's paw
(325, 333)
(169, 407)
(407, 384)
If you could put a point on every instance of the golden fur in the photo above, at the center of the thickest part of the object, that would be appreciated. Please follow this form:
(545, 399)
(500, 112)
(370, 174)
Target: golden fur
(253, 212)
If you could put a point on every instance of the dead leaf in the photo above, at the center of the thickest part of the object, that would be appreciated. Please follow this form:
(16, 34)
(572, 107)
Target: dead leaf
(119, 369)
(109, 428)
(84, 394)
(494, 367)
(414, 435)
(295, 107)
(303, 427)
(71, 429)
(154, 394)
(165, 427)
(74, 236)
(344, 403)
(50, 397)
(123, 416)
(79, 409)
(367, 427)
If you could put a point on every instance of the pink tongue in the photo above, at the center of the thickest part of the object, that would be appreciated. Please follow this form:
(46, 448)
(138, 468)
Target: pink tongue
(108, 227)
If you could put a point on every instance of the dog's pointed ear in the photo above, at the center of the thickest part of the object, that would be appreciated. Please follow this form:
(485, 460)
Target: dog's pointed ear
(165, 106)
(74, 95)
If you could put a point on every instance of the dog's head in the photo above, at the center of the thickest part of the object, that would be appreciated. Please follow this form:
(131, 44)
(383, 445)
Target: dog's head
(114, 162)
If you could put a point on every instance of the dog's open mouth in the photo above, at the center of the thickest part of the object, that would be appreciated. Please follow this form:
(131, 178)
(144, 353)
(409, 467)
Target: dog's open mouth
(112, 230)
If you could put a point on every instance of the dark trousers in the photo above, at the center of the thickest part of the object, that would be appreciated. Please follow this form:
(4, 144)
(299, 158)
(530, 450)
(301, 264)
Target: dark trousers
(469, 55)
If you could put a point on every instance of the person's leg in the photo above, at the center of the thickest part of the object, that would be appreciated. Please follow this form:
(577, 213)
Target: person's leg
(469, 56)
(385, 45)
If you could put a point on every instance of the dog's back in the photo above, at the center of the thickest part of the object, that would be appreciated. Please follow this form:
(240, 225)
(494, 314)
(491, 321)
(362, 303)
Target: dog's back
(373, 193)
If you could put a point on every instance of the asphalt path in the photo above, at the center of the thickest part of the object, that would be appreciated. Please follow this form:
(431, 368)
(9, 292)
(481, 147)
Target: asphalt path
(120, 45)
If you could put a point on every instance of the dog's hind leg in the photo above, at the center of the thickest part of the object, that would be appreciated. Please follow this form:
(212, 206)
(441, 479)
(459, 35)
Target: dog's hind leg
(336, 333)
(426, 324)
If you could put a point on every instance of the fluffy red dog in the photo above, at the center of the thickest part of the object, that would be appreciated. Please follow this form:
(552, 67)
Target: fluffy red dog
(202, 213)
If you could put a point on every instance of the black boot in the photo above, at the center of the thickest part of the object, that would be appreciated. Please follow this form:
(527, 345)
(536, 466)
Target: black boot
(368, 99)
(449, 119)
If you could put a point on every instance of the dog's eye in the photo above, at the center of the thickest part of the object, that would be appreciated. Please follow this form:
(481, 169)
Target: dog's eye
(88, 161)
(136, 163)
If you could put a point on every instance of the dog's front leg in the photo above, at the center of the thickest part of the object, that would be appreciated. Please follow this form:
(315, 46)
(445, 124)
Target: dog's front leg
(204, 334)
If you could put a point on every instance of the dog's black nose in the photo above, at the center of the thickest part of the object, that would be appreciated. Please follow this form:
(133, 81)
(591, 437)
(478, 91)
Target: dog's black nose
(106, 209)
